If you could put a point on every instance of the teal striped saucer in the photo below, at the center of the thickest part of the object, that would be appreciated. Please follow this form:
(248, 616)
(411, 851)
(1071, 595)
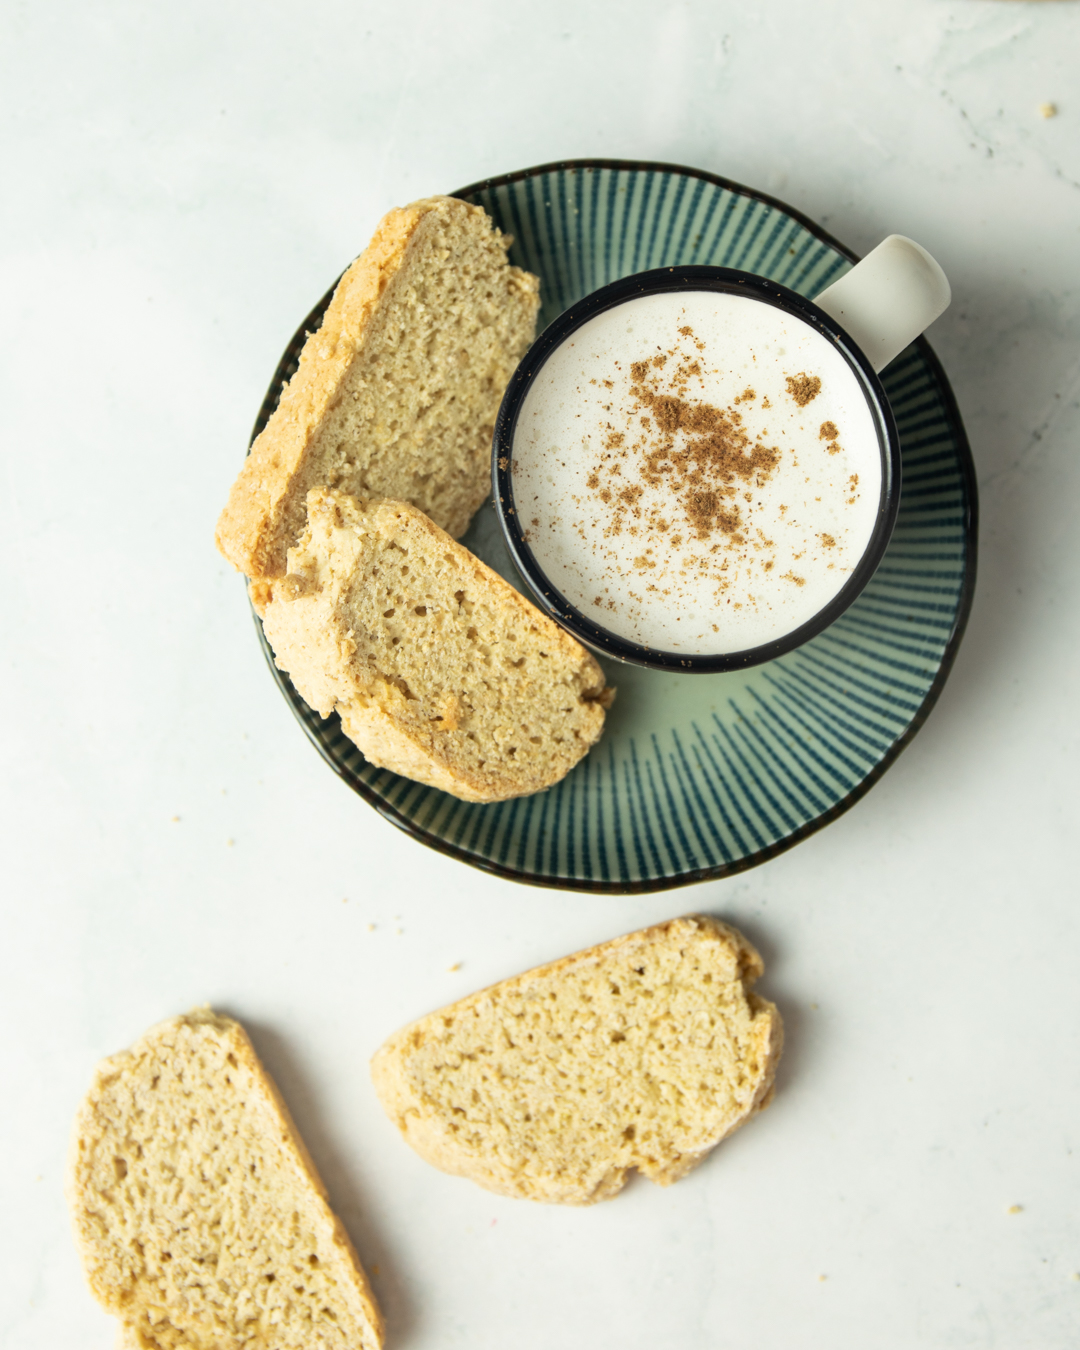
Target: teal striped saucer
(700, 776)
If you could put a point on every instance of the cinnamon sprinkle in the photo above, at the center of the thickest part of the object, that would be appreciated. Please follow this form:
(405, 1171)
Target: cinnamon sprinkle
(803, 388)
(698, 452)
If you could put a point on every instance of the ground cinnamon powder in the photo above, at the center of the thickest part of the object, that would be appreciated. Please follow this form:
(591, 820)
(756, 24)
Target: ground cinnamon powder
(672, 468)
(702, 454)
(803, 388)
(704, 467)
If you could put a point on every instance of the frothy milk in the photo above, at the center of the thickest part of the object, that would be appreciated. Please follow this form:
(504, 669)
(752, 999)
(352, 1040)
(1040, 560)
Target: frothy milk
(696, 472)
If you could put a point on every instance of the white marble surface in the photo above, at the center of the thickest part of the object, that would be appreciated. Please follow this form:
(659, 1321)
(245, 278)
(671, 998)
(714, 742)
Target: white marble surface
(180, 184)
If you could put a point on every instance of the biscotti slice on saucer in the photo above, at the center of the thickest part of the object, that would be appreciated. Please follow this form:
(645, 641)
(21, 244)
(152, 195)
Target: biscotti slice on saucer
(199, 1215)
(396, 394)
(437, 667)
(641, 1053)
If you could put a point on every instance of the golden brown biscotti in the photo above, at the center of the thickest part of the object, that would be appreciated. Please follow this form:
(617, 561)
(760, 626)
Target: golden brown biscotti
(641, 1053)
(199, 1215)
(438, 668)
(397, 392)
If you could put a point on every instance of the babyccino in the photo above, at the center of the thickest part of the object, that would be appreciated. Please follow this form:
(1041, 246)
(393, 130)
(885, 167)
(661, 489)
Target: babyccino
(697, 472)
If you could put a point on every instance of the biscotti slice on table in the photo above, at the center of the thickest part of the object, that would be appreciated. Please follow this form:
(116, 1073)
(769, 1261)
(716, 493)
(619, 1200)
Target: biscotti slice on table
(437, 667)
(199, 1215)
(641, 1053)
(397, 392)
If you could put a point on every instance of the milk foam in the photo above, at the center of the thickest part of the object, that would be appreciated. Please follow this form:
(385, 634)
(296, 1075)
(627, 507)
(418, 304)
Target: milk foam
(696, 472)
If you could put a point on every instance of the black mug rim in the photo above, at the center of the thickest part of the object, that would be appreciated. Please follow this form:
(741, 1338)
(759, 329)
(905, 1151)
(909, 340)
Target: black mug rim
(690, 277)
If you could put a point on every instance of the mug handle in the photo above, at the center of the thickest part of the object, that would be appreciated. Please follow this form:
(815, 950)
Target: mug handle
(888, 299)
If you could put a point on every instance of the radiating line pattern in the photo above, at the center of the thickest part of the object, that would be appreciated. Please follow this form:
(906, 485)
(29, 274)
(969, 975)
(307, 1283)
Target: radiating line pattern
(702, 775)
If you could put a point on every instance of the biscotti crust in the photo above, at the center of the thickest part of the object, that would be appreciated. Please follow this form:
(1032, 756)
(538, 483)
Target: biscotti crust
(350, 417)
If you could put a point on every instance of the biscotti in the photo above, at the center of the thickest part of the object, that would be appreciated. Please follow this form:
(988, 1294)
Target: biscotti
(642, 1053)
(438, 668)
(397, 392)
(201, 1221)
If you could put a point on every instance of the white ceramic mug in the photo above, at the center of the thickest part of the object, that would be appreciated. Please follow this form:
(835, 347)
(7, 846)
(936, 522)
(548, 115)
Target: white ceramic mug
(589, 561)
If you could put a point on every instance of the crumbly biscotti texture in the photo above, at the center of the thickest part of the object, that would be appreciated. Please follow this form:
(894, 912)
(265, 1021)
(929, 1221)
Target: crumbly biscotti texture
(641, 1053)
(438, 668)
(199, 1215)
(397, 392)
